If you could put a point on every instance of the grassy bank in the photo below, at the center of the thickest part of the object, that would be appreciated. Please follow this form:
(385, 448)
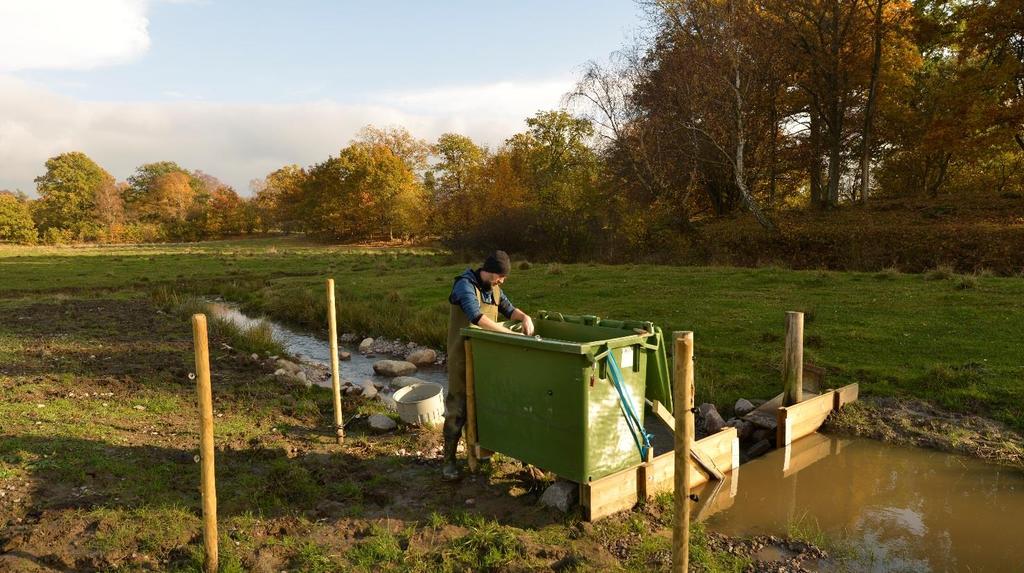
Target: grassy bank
(98, 437)
(947, 338)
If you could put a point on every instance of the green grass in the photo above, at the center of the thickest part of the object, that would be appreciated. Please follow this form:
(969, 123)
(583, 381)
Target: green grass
(890, 331)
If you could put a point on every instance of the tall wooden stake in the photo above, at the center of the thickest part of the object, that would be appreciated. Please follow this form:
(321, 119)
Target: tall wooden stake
(332, 321)
(209, 484)
(793, 361)
(682, 399)
(472, 454)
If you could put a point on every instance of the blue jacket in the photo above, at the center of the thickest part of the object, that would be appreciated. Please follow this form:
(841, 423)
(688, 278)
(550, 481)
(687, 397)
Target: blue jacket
(464, 295)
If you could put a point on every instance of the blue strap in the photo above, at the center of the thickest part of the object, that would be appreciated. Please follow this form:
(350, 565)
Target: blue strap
(640, 437)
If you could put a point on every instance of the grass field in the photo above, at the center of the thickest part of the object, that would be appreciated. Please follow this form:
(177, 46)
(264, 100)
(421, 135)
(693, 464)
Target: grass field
(950, 339)
(97, 431)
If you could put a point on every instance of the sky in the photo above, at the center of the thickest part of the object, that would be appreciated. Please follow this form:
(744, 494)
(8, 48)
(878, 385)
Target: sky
(240, 88)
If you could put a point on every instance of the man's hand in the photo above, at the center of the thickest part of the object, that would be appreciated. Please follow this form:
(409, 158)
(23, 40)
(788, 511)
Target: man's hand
(528, 329)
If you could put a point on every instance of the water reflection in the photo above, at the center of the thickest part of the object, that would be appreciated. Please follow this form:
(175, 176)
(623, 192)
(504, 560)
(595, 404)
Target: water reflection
(908, 509)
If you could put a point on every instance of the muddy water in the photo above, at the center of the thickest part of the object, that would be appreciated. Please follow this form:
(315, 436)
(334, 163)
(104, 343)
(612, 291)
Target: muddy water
(903, 509)
(312, 349)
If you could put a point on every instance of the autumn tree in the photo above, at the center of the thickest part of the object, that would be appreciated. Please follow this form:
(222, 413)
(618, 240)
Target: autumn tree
(452, 180)
(68, 194)
(16, 223)
(280, 199)
(366, 191)
(412, 151)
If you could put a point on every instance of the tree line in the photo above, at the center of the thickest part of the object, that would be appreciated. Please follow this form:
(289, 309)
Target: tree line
(725, 108)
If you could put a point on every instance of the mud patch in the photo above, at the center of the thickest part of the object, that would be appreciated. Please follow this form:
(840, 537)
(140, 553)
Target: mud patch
(917, 423)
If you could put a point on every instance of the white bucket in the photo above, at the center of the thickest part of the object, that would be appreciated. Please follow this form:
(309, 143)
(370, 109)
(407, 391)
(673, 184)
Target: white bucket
(421, 404)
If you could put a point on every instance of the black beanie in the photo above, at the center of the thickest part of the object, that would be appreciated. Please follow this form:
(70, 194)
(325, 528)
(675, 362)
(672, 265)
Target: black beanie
(497, 263)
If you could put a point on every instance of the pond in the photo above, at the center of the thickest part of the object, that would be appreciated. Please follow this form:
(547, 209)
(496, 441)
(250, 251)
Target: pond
(900, 508)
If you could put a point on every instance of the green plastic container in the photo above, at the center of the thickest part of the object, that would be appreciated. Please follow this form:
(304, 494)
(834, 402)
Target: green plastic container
(551, 403)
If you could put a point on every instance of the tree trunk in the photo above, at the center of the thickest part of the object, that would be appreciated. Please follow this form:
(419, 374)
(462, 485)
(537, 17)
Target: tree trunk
(773, 157)
(835, 113)
(739, 171)
(869, 110)
(817, 198)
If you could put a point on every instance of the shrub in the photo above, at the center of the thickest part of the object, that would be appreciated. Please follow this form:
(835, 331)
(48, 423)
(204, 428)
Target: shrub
(966, 282)
(940, 273)
(16, 223)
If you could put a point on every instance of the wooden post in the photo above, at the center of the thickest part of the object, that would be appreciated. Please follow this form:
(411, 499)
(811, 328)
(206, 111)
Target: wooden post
(209, 485)
(471, 451)
(682, 398)
(332, 322)
(793, 361)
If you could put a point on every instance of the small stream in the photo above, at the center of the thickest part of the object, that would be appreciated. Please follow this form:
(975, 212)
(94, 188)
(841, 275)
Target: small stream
(901, 508)
(312, 349)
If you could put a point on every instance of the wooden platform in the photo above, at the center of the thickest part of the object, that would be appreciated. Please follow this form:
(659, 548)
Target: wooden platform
(799, 420)
(622, 490)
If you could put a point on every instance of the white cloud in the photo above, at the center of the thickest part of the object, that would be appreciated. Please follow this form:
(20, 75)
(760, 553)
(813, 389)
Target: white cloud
(71, 34)
(501, 99)
(239, 142)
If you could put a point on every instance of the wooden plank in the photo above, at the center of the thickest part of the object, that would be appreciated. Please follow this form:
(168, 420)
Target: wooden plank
(845, 395)
(472, 447)
(721, 449)
(706, 465)
(610, 494)
(621, 490)
(799, 420)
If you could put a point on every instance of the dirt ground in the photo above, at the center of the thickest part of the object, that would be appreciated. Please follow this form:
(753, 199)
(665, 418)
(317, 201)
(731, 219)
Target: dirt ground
(99, 472)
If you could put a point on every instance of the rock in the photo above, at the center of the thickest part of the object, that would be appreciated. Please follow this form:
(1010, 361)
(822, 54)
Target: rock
(760, 434)
(353, 390)
(743, 407)
(343, 355)
(744, 429)
(140, 407)
(394, 368)
(710, 418)
(378, 384)
(288, 366)
(381, 423)
(759, 449)
(422, 357)
(366, 346)
(289, 378)
(254, 357)
(403, 381)
(561, 495)
(348, 337)
(369, 390)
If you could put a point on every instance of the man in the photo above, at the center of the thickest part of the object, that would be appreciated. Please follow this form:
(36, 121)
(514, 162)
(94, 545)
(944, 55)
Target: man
(476, 299)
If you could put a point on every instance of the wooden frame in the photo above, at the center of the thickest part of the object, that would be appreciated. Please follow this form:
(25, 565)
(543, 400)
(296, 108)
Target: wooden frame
(845, 395)
(799, 420)
(622, 490)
